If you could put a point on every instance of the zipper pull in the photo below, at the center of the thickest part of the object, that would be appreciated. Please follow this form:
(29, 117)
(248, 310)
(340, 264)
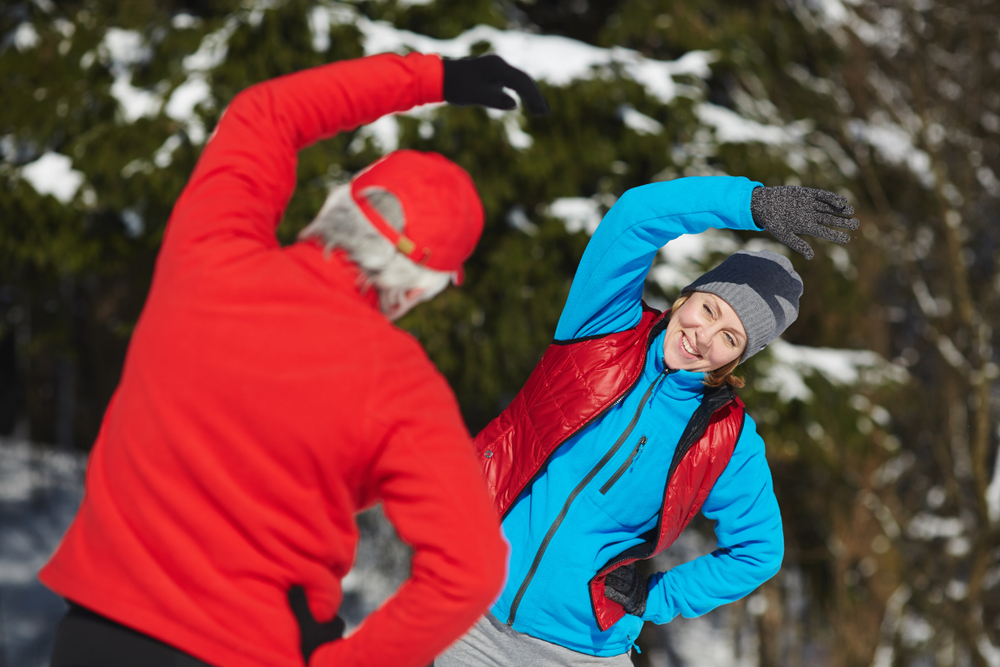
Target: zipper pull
(663, 376)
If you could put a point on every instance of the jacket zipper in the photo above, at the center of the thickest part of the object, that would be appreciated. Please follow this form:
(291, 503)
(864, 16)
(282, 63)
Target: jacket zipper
(625, 466)
(670, 473)
(576, 491)
(655, 331)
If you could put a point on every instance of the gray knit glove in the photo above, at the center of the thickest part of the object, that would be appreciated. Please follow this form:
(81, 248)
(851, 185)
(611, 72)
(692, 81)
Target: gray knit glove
(627, 587)
(787, 210)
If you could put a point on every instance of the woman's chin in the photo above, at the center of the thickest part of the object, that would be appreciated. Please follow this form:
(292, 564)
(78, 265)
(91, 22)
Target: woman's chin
(682, 364)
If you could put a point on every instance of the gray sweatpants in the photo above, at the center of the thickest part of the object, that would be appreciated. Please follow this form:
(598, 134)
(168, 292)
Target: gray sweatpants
(492, 643)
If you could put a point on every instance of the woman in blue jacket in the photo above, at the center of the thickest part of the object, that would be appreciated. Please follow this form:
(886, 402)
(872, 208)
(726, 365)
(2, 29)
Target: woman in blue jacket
(629, 425)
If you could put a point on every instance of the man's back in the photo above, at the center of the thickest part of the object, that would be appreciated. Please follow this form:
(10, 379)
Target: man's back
(264, 400)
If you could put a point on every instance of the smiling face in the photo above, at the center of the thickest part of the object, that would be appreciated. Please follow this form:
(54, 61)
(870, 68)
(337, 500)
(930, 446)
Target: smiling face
(703, 334)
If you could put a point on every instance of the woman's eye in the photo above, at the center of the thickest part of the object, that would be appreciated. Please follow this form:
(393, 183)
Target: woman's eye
(730, 340)
(707, 309)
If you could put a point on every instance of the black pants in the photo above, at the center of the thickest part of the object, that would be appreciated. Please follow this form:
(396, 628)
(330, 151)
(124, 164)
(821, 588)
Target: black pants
(85, 639)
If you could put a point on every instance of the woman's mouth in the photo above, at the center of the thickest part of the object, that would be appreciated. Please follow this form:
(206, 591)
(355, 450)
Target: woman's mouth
(687, 346)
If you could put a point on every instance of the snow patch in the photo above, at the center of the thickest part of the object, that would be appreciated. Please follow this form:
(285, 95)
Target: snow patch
(731, 128)
(993, 491)
(789, 365)
(125, 48)
(53, 174)
(914, 630)
(40, 491)
(989, 651)
(185, 22)
(384, 132)
(685, 258)
(319, 26)
(926, 526)
(557, 60)
(25, 37)
(895, 146)
(29, 473)
(510, 120)
(164, 155)
(187, 96)
(988, 180)
(518, 219)
(577, 213)
(213, 48)
(321, 18)
(183, 101)
(121, 51)
(133, 222)
(639, 122)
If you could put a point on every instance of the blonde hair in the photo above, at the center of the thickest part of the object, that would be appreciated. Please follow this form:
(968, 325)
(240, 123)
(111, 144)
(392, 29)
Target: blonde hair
(722, 375)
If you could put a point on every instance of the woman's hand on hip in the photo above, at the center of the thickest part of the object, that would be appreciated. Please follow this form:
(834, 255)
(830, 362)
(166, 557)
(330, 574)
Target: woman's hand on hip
(628, 587)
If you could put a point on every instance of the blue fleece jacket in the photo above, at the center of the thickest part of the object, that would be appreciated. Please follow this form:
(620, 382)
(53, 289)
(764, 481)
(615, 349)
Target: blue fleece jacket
(546, 594)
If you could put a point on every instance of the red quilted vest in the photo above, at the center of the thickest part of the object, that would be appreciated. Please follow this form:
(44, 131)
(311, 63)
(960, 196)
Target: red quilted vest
(573, 385)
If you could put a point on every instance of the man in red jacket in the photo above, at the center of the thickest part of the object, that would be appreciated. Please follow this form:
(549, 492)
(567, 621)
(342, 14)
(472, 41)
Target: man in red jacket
(266, 398)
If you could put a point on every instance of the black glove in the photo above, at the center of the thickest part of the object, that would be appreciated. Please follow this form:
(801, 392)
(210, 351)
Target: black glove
(481, 80)
(787, 210)
(312, 634)
(627, 587)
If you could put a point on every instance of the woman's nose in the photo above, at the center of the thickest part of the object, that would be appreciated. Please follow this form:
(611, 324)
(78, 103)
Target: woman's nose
(704, 335)
(701, 337)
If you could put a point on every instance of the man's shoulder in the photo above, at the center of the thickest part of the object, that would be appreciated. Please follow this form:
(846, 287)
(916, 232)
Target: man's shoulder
(404, 352)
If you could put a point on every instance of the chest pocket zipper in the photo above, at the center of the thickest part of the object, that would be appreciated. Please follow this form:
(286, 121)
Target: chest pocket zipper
(625, 466)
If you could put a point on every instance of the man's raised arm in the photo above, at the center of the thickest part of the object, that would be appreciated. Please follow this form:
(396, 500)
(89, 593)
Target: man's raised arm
(246, 174)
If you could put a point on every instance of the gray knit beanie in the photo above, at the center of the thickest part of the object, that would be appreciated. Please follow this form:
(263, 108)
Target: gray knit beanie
(763, 289)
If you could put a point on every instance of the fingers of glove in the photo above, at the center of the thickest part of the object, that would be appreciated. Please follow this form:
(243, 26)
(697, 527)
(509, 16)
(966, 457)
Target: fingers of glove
(834, 235)
(495, 98)
(639, 609)
(526, 88)
(300, 606)
(313, 632)
(825, 209)
(838, 220)
(614, 594)
(623, 578)
(334, 629)
(795, 243)
(832, 199)
(820, 231)
(796, 198)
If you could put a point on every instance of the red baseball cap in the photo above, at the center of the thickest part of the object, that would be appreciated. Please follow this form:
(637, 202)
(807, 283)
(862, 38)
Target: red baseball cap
(441, 208)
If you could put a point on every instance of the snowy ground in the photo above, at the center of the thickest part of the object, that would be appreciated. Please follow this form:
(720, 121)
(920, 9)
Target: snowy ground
(40, 490)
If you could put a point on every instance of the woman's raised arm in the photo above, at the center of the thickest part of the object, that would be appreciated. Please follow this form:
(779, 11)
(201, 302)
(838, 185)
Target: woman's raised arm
(606, 292)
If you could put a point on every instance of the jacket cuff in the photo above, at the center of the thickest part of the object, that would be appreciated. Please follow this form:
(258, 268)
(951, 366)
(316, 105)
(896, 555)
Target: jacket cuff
(746, 216)
(659, 608)
(431, 81)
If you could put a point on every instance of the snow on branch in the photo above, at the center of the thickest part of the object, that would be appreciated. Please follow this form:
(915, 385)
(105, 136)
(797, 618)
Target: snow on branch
(53, 174)
(551, 58)
(789, 365)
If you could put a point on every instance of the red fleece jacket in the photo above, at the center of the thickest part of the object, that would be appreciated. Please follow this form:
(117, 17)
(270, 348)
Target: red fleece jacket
(264, 401)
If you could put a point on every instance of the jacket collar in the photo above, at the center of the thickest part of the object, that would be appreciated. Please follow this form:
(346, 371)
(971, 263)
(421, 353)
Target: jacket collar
(685, 382)
(335, 268)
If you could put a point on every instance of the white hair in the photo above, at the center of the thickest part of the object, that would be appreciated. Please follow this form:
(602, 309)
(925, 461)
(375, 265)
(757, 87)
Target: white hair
(342, 224)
